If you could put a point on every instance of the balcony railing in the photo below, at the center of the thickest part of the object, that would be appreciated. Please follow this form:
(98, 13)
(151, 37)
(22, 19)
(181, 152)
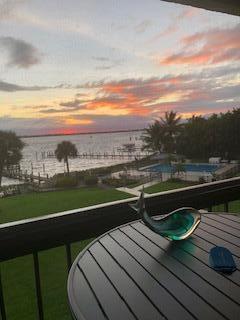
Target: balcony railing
(33, 235)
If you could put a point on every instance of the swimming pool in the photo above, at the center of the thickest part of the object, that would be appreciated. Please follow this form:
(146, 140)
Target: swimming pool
(189, 167)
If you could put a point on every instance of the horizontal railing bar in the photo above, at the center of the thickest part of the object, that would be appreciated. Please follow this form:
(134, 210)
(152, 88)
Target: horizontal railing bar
(29, 235)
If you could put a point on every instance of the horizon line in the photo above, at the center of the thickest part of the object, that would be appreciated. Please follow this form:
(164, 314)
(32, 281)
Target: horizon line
(77, 133)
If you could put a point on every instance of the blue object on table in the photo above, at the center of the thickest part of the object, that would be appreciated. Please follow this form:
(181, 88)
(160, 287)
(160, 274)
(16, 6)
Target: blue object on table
(221, 260)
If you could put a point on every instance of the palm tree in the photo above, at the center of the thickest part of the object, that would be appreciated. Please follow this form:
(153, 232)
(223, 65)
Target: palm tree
(153, 137)
(171, 128)
(65, 150)
(161, 135)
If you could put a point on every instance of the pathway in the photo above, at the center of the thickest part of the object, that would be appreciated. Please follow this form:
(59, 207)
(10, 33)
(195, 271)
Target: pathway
(136, 191)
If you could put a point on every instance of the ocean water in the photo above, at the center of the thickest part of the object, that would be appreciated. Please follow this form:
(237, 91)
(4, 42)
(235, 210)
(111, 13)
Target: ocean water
(35, 147)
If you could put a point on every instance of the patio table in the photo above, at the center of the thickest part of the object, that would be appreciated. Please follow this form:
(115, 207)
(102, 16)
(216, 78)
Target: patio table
(133, 273)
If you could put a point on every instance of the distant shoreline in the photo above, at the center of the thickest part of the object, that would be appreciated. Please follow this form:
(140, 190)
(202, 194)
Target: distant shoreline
(79, 133)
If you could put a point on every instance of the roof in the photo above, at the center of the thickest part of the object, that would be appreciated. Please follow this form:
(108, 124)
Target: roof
(225, 6)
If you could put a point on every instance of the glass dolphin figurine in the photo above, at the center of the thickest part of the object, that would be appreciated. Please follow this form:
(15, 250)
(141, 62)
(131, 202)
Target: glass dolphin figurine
(176, 225)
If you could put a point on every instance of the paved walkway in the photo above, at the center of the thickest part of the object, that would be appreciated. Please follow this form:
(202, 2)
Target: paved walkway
(130, 191)
(136, 191)
(146, 185)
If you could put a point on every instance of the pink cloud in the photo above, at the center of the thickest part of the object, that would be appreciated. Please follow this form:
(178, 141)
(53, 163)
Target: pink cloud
(187, 13)
(186, 93)
(216, 46)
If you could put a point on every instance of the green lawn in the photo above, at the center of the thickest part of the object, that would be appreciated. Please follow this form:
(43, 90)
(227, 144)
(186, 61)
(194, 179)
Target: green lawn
(19, 285)
(233, 207)
(17, 274)
(38, 204)
(167, 185)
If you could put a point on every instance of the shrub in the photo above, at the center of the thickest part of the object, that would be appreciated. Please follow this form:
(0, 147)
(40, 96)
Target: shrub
(102, 171)
(80, 175)
(113, 182)
(65, 182)
(201, 180)
(90, 180)
(174, 180)
(116, 183)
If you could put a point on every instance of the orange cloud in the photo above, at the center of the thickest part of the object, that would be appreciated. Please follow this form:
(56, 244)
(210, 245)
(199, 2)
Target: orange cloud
(74, 121)
(113, 88)
(198, 58)
(139, 99)
(216, 46)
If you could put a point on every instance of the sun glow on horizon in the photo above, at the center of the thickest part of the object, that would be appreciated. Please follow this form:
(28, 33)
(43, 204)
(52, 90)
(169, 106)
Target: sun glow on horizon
(73, 121)
(113, 70)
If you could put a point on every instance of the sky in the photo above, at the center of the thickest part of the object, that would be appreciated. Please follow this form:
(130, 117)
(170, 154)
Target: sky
(69, 66)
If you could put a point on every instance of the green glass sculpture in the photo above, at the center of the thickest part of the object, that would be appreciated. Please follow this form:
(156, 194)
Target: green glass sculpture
(177, 225)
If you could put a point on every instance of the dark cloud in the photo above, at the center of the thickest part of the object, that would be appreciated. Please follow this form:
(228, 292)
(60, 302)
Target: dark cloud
(28, 125)
(133, 103)
(51, 110)
(21, 54)
(227, 92)
(219, 72)
(63, 107)
(75, 104)
(10, 87)
(136, 96)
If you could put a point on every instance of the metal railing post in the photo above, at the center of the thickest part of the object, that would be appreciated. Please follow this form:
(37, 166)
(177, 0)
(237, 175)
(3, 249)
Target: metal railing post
(226, 207)
(2, 304)
(38, 286)
(69, 255)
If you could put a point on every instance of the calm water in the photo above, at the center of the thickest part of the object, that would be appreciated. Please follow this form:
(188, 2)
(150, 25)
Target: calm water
(95, 143)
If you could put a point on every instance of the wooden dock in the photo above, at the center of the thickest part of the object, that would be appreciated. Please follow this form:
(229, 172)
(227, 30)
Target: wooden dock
(24, 176)
(105, 155)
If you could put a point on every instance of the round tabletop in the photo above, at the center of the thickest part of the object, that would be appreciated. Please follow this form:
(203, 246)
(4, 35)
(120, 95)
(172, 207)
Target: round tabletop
(133, 273)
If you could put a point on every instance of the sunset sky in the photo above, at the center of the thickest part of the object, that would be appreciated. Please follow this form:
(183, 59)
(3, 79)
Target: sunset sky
(70, 66)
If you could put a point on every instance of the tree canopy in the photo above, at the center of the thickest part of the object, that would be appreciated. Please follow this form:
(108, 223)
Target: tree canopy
(64, 151)
(198, 137)
(152, 137)
(215, 136)
(10, 150)
(161, 135)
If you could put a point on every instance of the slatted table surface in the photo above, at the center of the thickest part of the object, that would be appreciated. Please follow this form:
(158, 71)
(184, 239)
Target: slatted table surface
(133, 273)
